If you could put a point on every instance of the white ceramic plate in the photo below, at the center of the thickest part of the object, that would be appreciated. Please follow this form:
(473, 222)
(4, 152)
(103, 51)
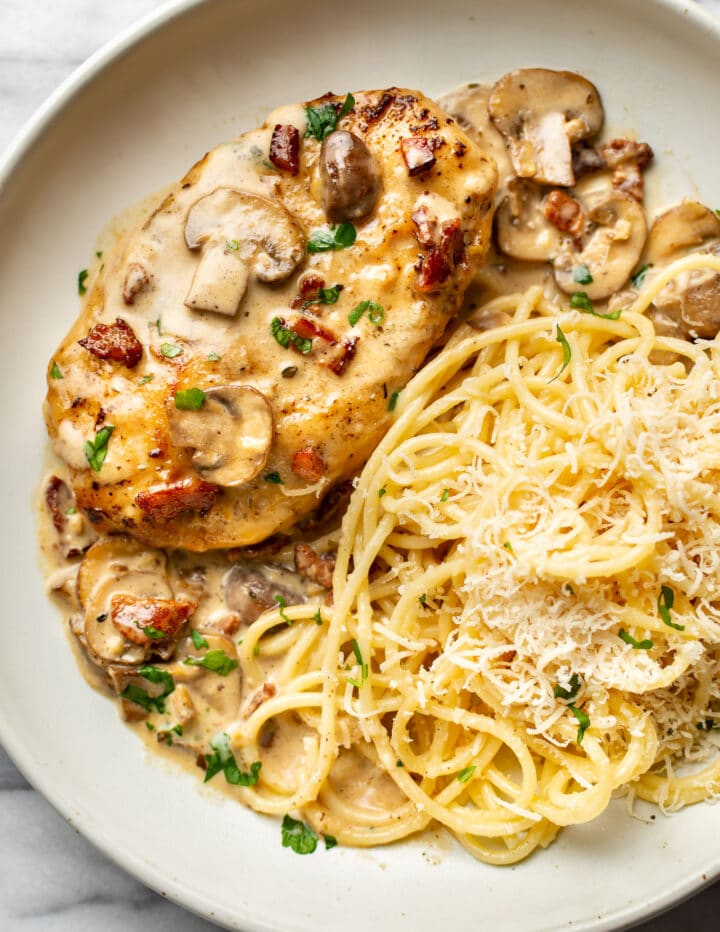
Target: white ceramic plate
(136, 117)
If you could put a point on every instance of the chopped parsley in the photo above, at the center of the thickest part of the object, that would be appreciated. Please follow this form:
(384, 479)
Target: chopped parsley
(232, 244)
(582, 275)
(169, 350)
(422, 599)
(323, 120)
(466, 773)
(96, 450)
(158, 324)
(282, 605)
(153, 632)
(445, 495)
(317, 617)
(289, 372)
(341, 236)
(214, 357)
(55, 372)
(82, 278)
(72, 510)
(382, 492)
(198, 640)
(581, 302)
(330, 841)
(567, 352)
(145, 379)
(361, 663)
(141, 697)
(665, 602)
(223, 760)
(508, 546)
(298, 836)
(256, 650)
(217, 661)
(393, 401)
(189, 399)
(285, 337)
(636, 645)
(639, 277)
(274, 477)
(376, 313)
(325, 296)
(583, 720)
(560, 692)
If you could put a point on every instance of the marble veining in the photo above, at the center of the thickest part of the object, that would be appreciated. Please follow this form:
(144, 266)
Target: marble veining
(51, 879)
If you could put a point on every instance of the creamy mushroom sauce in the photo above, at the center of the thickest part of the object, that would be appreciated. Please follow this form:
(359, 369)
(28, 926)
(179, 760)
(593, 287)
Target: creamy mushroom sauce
(205, 703)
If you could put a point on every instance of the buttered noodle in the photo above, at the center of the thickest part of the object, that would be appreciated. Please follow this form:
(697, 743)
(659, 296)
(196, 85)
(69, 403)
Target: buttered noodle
(527, 593)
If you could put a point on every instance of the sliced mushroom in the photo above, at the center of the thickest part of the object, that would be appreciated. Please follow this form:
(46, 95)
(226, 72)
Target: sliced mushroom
(349, 175)
(689, 305)
(240, 235)
(230, 434)
(609, 249)
(250, 592)
(521, 227)
(116, 566)
(679, 229)
(541, 113)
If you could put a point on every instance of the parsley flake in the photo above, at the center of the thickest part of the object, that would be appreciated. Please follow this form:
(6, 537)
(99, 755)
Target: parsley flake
(223, 760)
(708, 725)
(581, 302)
(274, 477)
(636, 645)
(145, 379)
(96, 450)
(284, 336)
(55, 372)
(82, 278)
(232, 244)
(582, 275)
(583, 720)
(445, 495)
(325, 296)
(361, 663)
(189, 399)
(466, 773)
(393, 401)
(323, 120)
(217, 661)
(154, 633)
(665, 602)
(169, 350)
(213, 357)
(141, 697)
(508, 546)
(341, 236)
(567, 352)
(298, 836)
(282, 605)
(376, 313)
(382, 492)
(330, 841)
(198, 640)
(638, 278)
(560, 692)
(317, 617)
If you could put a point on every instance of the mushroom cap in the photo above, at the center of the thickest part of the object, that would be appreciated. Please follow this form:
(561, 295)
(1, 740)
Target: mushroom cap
(521, 228)
(349, 175)
(115, 565)
(240, 234)
(541, 113)
(683, 227)
(230, 434)
(610, 249)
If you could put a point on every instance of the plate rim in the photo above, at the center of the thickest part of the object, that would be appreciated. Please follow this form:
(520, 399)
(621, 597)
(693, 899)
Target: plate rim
(193, 900)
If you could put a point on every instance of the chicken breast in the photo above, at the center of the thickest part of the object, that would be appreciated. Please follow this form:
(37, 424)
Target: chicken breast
(240, 353)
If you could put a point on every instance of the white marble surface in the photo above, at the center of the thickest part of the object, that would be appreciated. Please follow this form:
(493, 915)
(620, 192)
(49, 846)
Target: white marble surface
(51, 879)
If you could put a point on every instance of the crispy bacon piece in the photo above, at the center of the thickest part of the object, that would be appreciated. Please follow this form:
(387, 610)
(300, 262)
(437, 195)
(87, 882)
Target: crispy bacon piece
(419, 155)
(565, 213)
(285, 148)
(335, 355)
(309, 330)
(266, 691)
(58, 498)
(628, 178)
(618, 151)
(444, 257)
(167, 502)
(309, 286)
(308, 464)
(114, 341)
(426, 227)
(343, 355)
(132, 615)
(314, 566)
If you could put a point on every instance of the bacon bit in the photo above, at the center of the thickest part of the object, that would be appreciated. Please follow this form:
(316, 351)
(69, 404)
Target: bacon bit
(266, 691)
(310, 564)
(372, 113)
(266, 548)
(628, 178)
(309, 286)
(285, 148)
(58, 498)
(227, 625)
(308, 330)
(436, 267)
(167, 502)
(131, 616)
(114, 341)
(426, 233)
(618, 151)
(343, 356)
(418, 155)
(308, 464)
(565, 213)
(135, 280)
